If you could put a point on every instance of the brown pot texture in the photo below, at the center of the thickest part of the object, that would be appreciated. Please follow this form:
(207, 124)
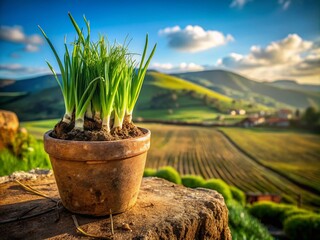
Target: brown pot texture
(96, 177)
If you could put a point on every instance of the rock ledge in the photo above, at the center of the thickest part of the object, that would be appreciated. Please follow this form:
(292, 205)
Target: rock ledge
(163, 211)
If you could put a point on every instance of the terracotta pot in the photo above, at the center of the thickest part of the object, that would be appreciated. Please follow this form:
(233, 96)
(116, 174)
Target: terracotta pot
(94, 177)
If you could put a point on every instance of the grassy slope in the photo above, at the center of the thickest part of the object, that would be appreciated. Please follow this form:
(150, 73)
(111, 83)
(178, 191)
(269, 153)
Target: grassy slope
(48, 103)
(31, 85)
(45, 104)
(294, 154)
(189, 110)
(294, 98)
(174, 83)
(289, 84)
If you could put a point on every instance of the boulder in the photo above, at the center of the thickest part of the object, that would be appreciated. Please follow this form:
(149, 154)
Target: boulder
(163, 211)
(9, 126)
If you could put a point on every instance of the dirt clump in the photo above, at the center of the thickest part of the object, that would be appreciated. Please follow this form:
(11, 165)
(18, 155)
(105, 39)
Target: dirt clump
(93, 131)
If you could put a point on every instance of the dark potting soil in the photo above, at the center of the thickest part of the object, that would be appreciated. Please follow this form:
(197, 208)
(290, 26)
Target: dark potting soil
(93, 132)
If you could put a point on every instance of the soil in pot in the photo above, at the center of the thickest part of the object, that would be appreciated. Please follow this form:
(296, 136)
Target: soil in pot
(93, 131)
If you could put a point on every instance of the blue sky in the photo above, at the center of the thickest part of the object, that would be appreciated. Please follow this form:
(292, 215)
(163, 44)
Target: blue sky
(263, 40)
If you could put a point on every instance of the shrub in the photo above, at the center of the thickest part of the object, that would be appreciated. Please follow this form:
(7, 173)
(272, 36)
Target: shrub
(149, 172)
(192, 181)
(170, 174)
(220, 186)
(238, 195)
(243, 225)
(270, 212)
(295, 211)
(305, 226)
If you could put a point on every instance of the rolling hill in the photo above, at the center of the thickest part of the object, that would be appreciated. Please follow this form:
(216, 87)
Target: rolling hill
(13, 90)
(173, 83)
(291, 84)
(190, 97)
(44, 104)
(6, 82)
(30, 85)
(163, 97)
(239, 87)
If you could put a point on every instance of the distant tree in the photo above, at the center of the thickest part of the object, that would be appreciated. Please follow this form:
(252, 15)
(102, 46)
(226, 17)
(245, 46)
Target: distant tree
(311, 116)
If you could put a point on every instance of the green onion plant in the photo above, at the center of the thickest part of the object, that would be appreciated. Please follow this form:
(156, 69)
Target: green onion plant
(100, 81)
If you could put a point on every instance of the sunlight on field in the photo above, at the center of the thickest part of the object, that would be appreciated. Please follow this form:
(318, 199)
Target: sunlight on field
(294, 154)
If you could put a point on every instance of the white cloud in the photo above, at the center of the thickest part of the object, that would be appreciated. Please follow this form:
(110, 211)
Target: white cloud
(194, 38)
(190, 67)
(162, 66)
(182, 67)
(239, 3)
(287, 58)
(284, 4)
(35, 39)
(16, 69)
(31, 48)
(15, 34)
(12, 34)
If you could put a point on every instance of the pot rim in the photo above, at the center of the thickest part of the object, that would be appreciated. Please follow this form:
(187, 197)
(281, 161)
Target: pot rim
(146, 135)
(96, 150)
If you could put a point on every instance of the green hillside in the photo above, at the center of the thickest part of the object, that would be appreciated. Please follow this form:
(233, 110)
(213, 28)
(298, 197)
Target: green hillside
(163, 97)
(239, 87)
(6, 82)
(35, 84)
(291, 84)
(45, 104)
(174, 83)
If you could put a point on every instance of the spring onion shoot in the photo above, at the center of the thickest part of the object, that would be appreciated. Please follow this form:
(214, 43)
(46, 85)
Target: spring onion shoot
(99, 81)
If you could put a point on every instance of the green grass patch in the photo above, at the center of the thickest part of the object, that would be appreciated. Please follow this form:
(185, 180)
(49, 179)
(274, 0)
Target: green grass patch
(34, 157)
(243, 225)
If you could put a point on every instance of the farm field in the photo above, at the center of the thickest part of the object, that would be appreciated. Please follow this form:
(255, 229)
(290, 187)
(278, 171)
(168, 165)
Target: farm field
(208, 152)
(295, 156)
(189, 114)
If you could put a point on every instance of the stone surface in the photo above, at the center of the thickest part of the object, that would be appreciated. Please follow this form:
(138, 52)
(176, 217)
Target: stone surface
(9, 126)
(163, 211)
(31, 175)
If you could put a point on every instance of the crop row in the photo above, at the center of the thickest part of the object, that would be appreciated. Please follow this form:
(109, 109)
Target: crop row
(206, 152)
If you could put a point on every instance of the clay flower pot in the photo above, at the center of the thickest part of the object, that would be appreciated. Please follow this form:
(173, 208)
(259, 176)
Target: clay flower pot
(94, 177)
